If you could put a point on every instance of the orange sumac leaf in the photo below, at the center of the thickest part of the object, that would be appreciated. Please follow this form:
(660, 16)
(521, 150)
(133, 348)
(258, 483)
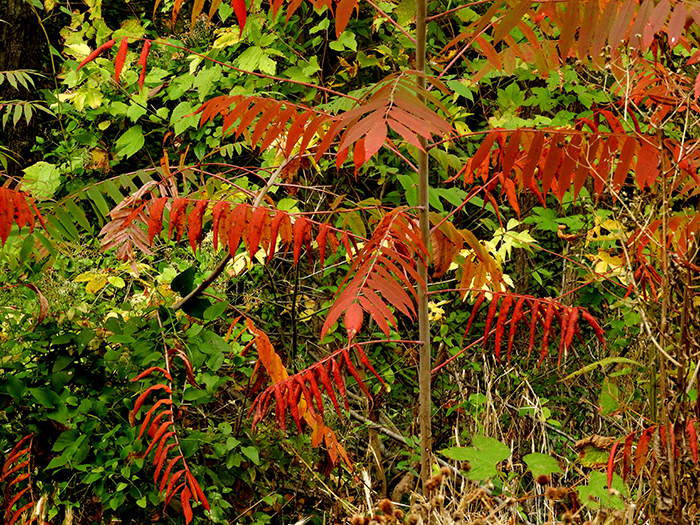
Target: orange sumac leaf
(186, 508)
(343, 12)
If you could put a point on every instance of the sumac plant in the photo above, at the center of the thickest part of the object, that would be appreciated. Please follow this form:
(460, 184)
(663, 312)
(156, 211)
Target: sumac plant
(635, 150)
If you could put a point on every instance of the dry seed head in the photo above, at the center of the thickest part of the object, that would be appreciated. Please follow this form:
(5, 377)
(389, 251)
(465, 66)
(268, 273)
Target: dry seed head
(358, 520)
(433, 483)
(542, 479)
(412, 520)
(445, 471)
(437, 500)
(386, 506)
(551, 493)
(562, 492)
(398, 514)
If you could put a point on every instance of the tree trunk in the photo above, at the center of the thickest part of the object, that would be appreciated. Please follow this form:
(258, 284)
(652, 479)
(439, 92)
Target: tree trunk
(22, 46)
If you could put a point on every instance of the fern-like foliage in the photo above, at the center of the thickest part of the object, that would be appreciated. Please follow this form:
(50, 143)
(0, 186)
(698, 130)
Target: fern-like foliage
(16, 473)
(544, 313)
(652, 443)
(301, 394)
(172, 472)
(386, 265)
(392, 105)
(292, 393)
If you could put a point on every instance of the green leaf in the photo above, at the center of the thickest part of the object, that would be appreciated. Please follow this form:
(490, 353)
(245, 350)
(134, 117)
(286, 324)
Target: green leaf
(65, 440)
(205, 79)
(180, 121)
(215, 310)
(541, 464)
(130, 142)
(41, 180)
(483, 456)
(252, 454)
(596, 492)
(183, 283)
(44, 396)
(603, 362)
(16, 388)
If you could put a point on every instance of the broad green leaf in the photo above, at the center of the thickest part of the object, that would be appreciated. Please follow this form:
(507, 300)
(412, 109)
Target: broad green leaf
(65, 440)
(180, 121)
(541, 464)
(596, 493)
(41, 180)
(44, 396)
(205, 79)
(483, 456)
(252, 454)
(130, 142)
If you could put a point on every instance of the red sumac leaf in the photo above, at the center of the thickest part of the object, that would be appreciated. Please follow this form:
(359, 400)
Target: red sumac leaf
(593, 324)
(143, 58)
(611, 463)
(241, 11)
(301, 236)
(477, 304)
(238, 220)
(255, 229)
(155, 221)
(517, 316)
(186, 508)
(626, 453)
(195, 224)
(353, 320)
(343, 12)
(692, 439)
(140, 400)
(642, 448)
(534, 314)
(97, 52)
(177, 213)
(501, 323)
(220, 215)
(121, 58)
(493, 307)
(549, 316)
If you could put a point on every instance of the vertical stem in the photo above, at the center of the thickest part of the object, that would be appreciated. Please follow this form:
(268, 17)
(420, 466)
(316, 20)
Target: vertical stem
(424, 389)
